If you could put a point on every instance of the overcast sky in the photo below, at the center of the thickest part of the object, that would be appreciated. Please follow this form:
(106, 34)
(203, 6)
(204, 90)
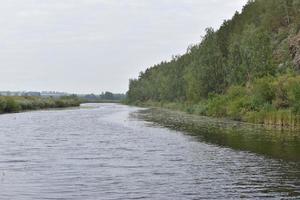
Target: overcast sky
(86, 46)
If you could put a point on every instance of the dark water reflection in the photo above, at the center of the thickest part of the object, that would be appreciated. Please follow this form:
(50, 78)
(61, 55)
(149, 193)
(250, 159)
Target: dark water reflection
(109, 151)
(278, 144)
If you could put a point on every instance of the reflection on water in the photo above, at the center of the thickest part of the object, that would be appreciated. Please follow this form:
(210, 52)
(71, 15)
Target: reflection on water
(111, 152)
(273, 143)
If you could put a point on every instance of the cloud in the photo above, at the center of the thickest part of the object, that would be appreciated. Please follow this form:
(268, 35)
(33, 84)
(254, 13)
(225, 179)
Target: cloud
(96, 45)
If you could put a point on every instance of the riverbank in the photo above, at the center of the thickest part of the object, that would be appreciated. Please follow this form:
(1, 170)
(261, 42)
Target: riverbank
(271, 101)
(271, 120)
(279, 144)
(19, 104)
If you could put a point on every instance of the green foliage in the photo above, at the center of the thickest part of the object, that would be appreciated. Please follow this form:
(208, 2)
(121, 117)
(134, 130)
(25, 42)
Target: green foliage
(288, 93)
(2, 105)
(263, 91)
(216, 106)
(16, 104)
(295, 97)
(253, 44)
(12, 105)
(200, 108)
(248, 65)
(238, 107)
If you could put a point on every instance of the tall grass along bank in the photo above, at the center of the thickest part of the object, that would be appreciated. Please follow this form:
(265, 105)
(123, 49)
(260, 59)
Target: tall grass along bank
(18, 104)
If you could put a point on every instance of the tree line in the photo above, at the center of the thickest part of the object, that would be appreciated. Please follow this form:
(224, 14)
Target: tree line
(253, 44)
(257, 43)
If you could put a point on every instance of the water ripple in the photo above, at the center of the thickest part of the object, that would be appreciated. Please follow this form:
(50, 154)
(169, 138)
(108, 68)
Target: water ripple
(108, 153)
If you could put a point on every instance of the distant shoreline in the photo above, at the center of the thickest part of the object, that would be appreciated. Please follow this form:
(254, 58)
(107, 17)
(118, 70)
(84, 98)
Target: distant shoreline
(102, 101)
(22, 104)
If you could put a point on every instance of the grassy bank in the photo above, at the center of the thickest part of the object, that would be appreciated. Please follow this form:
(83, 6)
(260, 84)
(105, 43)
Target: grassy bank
(18, 104)
(273, 102)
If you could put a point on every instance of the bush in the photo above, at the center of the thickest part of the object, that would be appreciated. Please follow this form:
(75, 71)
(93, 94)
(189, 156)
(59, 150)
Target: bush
(200, 108)
(295, 98)
(288, 93)
(12, 105)
(236, 91)
(238, 107)
(281, 96)
(216, 106)
(263, 91)
(2, 105)
(16, 104)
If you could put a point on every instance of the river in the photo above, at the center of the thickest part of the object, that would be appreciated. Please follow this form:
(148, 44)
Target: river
(105, 151)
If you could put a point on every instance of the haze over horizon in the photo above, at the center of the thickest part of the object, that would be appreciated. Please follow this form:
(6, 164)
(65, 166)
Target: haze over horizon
(97, 45)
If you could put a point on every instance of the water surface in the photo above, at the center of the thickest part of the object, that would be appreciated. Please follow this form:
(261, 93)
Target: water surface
(106, 151)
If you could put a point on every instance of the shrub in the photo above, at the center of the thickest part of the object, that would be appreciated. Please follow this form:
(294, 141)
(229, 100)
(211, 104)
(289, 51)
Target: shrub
(2, 105)
(295, 98)
(16, 104)
(263, 91)
(12, 105)
(238, 107)
(236, 91)
(201, 108)
(216, 106)
(281, 97)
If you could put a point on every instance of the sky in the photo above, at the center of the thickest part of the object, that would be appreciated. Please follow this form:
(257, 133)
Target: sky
(90, 46)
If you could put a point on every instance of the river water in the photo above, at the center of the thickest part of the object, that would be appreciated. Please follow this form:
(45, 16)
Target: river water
(105, 151)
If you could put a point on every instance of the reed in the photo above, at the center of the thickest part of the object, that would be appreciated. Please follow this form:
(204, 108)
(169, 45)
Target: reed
(18, 104)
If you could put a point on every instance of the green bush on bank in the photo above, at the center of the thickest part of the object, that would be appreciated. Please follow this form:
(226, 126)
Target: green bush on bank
(11, 105)
(17, 104)
(268, 100)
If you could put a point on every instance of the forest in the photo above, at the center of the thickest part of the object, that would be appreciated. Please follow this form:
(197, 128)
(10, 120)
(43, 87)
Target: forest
(247, 70)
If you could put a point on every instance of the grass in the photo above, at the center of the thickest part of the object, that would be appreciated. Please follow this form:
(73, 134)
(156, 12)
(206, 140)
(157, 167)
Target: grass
(18, 104)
